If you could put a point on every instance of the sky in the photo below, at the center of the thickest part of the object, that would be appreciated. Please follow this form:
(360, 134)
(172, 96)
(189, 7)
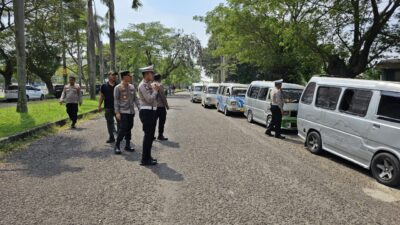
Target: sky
(176, 14)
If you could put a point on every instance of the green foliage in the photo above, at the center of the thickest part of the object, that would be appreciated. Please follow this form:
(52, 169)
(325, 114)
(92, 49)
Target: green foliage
(246, 32)
(38, 114)
(154, 44)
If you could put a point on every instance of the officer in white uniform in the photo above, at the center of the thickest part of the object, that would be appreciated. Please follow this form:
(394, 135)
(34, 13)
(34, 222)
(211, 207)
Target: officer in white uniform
(276, 110)
(148, 105)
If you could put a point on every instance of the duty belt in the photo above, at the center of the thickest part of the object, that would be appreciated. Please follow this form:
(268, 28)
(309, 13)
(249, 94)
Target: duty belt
(148, 108)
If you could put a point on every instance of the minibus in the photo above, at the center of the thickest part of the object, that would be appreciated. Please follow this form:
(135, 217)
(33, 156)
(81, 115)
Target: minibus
(257, 104)
(230, 98)
(358, 120)
(209, 96)
(196, 92)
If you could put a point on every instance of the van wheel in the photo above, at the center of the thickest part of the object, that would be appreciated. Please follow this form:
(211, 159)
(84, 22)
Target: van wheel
(226, 112)
(41, 97)
(385, 169)
(191, 100)
(27, 98)
(268, 122)
(249, 116)
(313, 142)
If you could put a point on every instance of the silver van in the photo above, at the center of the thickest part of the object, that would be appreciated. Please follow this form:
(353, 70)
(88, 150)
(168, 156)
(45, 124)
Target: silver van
(257, 104)
(196, 92)
(209, 96)
(358, 120)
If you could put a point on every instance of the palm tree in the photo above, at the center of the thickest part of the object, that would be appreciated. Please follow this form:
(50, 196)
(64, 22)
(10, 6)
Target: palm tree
(91, 52)
(98, 31)
(136, 4)
(19, 17)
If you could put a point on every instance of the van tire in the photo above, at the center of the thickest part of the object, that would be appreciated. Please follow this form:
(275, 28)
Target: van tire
(385, 168)
(41, 97)
(314, 143)
(226, 112)
(269, 119)
(249, 116)
(27, 98)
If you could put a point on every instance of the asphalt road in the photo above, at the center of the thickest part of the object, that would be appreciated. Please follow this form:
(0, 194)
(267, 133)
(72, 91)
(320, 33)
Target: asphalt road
(214, 170)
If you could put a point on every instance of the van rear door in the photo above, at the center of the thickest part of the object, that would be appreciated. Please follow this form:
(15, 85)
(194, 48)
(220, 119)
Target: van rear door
(384, 129)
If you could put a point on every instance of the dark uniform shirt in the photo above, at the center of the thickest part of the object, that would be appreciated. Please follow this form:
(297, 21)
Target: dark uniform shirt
(108, 92)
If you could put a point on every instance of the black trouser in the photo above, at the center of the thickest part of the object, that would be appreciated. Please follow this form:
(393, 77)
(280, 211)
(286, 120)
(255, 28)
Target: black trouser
(276, 121)
(149, 127)
(161, 116)
(125, 128)
(110, 114)
(72, 110)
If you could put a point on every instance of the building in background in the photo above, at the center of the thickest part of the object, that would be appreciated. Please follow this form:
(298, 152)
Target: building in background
(390, 69)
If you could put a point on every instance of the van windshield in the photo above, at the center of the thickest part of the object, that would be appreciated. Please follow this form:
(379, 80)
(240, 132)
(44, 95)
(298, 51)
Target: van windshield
(291, 95)
(198, 88)
(12, 87)
(212, 90)
(240, 92)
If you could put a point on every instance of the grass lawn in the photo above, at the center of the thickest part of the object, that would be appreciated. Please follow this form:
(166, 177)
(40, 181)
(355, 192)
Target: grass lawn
(12, 122)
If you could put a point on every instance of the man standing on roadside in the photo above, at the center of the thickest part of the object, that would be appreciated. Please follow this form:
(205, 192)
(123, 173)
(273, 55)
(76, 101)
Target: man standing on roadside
(277, 110)
(107, 95)
(162, 107)
(72, 96)
(148, 105)
(125, 99)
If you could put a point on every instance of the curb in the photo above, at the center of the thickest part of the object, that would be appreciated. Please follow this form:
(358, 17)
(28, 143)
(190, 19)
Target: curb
(35, 130)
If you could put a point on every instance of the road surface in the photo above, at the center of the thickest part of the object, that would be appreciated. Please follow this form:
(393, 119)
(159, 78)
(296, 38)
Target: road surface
(214, 170)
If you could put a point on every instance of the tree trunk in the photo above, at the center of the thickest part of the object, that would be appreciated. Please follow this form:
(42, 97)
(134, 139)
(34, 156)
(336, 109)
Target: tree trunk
(80, 70)
(49, 85)
(91, 51)
(112, 36)
(101, 62)
(19, 18)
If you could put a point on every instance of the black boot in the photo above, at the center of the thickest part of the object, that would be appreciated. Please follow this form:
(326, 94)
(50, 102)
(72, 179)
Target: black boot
(117, 151)
(162, 138)
(110, 140)
(128, 147)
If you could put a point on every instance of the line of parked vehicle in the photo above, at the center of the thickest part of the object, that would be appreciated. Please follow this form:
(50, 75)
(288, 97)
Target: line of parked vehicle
(358, 120)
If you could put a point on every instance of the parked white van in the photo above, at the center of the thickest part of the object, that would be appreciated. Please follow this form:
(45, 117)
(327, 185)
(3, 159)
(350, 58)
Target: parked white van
(209, 96)
(257, 104)
(358, 120)
(196, 92)
(230, 98)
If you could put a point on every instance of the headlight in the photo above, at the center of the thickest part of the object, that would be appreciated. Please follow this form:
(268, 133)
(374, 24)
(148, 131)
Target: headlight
(208, 99)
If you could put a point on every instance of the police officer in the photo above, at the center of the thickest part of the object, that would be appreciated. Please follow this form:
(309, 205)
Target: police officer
(277, 110)
(125, 99)
(162, 107)
(148, 105)
(107, 95)
(72, 96)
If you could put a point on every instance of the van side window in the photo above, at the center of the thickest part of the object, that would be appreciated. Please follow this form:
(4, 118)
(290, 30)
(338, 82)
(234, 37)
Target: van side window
(389, 106)
(249, 91)
(308, 95)
(327, 97)
(254, 92)
(263, 94)
(355, 102)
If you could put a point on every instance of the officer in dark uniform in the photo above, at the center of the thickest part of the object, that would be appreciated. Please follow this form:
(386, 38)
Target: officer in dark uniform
(107, 95)
(276, 110)
(125, 99)
(148, 105)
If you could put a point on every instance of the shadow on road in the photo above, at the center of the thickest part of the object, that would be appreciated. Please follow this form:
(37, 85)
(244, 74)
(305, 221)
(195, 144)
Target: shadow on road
(50, 159)
(166, 173)
(170, 144)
